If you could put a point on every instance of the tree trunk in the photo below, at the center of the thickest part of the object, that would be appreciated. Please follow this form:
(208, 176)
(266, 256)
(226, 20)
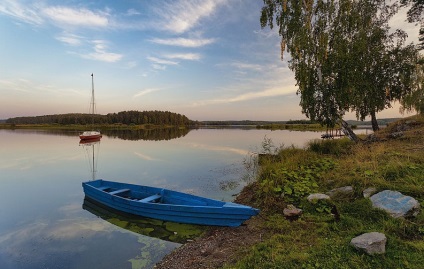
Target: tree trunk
(374, 122)
(348, 131)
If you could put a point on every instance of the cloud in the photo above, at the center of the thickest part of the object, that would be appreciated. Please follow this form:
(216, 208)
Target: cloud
(240, 65)
(132, 12)
(161, 61)
(100, 53)
(131, 64)
(77, 17)
(27, 13)
(70, 39)
(184, 56)
(159, 67)
(144, 92)
(183, 42)
(181, 16)
(271, 92)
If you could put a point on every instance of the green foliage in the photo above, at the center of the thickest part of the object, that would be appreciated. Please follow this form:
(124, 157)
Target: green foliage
(123, 117)
(415, 99)
(294, 184)
(319, 240)
(343, 55)
(332, 147)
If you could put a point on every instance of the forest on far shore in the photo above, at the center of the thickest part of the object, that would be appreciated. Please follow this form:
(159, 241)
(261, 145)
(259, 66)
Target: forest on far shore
(123, 117)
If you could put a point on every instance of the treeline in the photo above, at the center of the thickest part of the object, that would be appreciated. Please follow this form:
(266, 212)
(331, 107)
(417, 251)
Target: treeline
(123, 117)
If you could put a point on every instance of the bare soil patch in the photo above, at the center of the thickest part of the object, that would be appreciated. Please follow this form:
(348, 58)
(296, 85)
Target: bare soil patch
(219, 245)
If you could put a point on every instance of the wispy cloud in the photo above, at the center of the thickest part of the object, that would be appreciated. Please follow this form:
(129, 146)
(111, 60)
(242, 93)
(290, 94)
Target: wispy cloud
(17, 85)
(101, 54)
(70, 39)
(78, 17)
(132, 12)
(271, 92)
(181, 16)
(183, 42)
(144, 92)
(160, 64)
(248, 66)
(183, 56)
(27, 13)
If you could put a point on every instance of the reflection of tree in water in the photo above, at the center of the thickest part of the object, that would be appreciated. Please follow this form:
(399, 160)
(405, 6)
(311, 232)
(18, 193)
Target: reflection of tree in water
(228, 185)
(140, 134)
(165, 230)
(148, 134)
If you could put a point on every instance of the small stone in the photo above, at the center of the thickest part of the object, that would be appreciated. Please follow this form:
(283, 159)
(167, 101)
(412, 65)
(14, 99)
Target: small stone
(342, 191)
(371, 243)
(369, 191)
(395, 135)
(292, 212)
(317, 196)
(396, 204)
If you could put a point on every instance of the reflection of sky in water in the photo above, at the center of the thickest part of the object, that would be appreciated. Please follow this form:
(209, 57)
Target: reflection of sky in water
(77, 243)
(42, 223)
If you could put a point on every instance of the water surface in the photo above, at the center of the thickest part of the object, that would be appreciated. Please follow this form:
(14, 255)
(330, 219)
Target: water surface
(44, 222)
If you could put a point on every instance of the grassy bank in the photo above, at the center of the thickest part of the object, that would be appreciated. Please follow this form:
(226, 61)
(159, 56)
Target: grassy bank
(393, 159)
(294, 127)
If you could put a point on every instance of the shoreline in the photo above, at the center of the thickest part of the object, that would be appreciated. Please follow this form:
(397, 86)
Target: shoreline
(321, 234)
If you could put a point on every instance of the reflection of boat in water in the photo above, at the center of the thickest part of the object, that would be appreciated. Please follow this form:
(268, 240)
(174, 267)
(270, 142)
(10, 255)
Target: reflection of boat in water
(167, 205)
(91, 144)
(88, 135)
(169, 231)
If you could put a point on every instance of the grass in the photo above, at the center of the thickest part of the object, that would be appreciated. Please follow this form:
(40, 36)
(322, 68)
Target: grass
(319, 240)
(295, 127)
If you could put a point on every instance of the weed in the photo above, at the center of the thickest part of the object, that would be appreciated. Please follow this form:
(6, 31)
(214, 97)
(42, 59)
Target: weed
(316, 240)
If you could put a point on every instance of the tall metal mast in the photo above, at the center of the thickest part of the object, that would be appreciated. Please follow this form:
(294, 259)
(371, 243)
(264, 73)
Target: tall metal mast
(92, 104)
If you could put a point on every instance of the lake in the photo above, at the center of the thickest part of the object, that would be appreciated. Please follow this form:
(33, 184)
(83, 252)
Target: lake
(46, 223)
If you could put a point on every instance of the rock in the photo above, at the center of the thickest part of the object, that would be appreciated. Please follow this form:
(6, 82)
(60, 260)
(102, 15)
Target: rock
(291, 212)
(317, 196)
(396, 204)
(371, 243)
(341, 192)
(372, 138)
(395, 135)
(369, 191)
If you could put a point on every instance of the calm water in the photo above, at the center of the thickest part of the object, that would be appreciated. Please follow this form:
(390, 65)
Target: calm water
(44, 222)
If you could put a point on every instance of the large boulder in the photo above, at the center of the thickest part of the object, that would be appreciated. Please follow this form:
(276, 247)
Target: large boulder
(371, 243)
(396, 204)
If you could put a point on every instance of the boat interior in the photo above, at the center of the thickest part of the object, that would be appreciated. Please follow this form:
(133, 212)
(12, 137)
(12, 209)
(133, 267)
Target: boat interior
(161, 196)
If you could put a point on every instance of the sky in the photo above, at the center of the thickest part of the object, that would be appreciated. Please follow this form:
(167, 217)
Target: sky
(206, 59)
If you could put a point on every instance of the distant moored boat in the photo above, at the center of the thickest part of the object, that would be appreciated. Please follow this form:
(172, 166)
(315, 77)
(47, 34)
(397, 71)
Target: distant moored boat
(90, 135)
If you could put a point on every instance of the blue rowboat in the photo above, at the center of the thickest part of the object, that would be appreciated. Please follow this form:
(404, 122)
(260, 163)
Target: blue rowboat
(166, 204)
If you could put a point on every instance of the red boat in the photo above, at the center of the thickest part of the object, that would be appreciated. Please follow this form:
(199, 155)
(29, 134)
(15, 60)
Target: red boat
(90, 135)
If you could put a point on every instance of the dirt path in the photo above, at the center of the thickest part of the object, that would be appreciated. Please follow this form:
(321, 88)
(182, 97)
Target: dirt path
(218, 246)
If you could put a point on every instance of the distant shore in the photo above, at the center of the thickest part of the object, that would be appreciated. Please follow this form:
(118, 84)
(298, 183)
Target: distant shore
(78, 127)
